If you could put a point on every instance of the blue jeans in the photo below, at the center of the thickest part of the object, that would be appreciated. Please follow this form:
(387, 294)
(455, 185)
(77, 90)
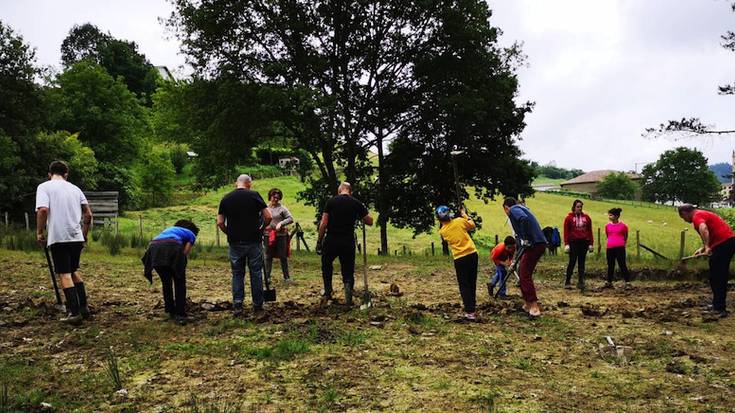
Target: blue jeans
(250, 253)
(500, 272)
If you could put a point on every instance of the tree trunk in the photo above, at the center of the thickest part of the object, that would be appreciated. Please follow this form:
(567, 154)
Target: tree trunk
(380, 203)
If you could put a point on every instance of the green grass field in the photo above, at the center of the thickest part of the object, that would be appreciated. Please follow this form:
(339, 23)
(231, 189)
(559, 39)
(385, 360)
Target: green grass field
(659, 226)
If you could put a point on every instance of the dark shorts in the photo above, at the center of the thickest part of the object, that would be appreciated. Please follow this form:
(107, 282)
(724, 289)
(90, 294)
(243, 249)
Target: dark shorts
(66, 256)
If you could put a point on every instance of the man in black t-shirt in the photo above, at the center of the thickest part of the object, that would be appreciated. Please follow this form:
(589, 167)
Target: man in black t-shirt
(242, 215)
(338, 222)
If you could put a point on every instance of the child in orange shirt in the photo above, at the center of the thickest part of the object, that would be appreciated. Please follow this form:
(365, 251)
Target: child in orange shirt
(502, 256)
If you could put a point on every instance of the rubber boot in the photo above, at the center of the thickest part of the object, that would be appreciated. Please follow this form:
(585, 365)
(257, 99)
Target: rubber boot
(348, 294)
(72, 304)
(83, 307)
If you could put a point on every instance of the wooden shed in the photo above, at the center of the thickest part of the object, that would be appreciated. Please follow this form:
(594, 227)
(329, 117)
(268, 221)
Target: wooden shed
(104, 205)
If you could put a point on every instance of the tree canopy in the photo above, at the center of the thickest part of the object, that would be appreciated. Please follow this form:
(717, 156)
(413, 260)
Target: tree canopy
(617, 185)
(118, 57)
(680, 175)
(346, 78)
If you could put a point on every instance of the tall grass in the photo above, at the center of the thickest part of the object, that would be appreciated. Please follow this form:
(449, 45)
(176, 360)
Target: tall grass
(18, 239)
(113, 370)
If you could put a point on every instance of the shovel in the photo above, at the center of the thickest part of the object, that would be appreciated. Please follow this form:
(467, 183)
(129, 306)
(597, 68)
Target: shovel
(366, 298)
(512, 270)
(269, 294)
(59, 305)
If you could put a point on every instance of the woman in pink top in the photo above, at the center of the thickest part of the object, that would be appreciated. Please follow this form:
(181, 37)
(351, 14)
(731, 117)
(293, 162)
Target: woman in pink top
(617, 236)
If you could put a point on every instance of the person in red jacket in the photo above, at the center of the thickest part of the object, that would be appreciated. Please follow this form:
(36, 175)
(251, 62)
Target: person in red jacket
(718, 243)
(578, 240)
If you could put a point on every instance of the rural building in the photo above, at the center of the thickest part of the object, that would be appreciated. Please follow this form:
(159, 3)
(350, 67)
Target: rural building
(587, 183)
(165, 73)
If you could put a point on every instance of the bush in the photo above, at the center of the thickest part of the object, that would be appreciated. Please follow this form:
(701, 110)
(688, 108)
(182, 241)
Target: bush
(19, 239)
(617, 185)
(178, 155)
(113, 242)
(157, 176)
(728, 215)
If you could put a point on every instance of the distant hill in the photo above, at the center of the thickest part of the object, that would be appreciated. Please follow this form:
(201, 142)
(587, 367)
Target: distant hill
(721, 169)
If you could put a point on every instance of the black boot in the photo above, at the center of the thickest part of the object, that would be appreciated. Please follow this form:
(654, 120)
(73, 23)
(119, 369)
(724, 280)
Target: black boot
(348, 293)
(82, 294)
(72, 305)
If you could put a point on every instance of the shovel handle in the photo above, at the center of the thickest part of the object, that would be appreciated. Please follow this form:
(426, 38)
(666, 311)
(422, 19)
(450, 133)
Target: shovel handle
(364, 257)
(53, 276)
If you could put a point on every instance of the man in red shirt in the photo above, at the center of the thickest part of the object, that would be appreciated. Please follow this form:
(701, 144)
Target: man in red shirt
(718, 242)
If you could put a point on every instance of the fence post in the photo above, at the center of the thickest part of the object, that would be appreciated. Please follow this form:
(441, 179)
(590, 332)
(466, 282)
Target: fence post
(682, 243)
(638, 243)
(28, 225)
(216, 232)
(599, 241)
(497, 241)
(140, 221)
(7, 223)
(117, 227)
(404, 250)
(432, 248)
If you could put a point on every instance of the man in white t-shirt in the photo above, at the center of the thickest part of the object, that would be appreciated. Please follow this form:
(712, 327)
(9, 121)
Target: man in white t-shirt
(63, 212)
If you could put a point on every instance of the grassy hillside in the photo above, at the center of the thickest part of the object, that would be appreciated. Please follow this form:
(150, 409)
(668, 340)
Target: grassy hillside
(659, 226)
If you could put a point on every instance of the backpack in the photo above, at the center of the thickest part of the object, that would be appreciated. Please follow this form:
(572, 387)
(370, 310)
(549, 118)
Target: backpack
(555, 238)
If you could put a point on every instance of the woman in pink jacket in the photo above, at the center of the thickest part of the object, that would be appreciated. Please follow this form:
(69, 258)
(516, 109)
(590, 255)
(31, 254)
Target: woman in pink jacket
(617, 236)
(578, 241)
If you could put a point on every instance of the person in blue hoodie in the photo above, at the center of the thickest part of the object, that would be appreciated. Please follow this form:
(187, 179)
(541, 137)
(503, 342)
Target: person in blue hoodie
(167, 254)
(531, 239)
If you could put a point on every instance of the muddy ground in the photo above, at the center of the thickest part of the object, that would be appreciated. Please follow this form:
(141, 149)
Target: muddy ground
(409, 352)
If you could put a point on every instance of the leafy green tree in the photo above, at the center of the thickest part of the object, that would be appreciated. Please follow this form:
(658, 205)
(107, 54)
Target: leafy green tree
(465, 101)
(221, 119)
(21, 117)
(108, 118)
(118, 57)
(680, 175)
(64, 146)
(617, 185)
(157, 176)
(342, 77)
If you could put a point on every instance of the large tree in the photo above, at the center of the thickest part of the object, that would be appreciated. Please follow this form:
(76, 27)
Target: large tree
(680, 175)
(465, 94)
(348, 78)
(21, 116)
(119, 57)
(85, 99)
(221, 119)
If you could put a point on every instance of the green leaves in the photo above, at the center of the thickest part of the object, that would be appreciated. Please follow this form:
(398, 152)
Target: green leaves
(680, 175)
(617, 185)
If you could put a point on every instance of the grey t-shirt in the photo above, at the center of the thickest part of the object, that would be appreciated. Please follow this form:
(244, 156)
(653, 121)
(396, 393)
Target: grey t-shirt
(64, 201)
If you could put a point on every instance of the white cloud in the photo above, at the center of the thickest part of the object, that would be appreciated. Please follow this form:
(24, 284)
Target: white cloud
(601, 72)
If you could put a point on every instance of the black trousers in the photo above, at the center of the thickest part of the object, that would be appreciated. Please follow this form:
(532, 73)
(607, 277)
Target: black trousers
(719, 272)
(344, 249)
(174, 290)
(577, 254)
(466, 268)
(616, 254)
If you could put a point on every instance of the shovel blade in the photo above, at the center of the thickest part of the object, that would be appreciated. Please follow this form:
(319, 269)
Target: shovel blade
(269, 295)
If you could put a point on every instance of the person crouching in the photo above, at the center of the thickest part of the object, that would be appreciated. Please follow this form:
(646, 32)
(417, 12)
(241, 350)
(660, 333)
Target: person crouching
(456, 233)
(167, 253)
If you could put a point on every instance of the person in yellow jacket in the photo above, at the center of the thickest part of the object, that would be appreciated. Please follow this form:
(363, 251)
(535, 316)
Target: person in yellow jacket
(456, 233)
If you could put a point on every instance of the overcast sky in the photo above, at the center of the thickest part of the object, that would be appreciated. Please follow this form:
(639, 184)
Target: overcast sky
(599, 71)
